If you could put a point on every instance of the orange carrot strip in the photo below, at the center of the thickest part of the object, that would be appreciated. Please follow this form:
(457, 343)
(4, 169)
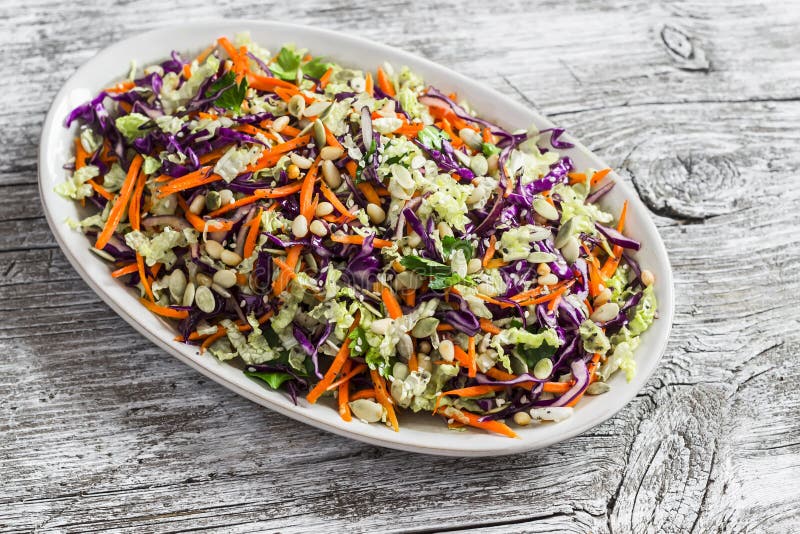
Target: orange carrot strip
(498, 374)
(118, 207)
(102, 191)
(489, 327)
(307, 191)
(473, 369)
(200, 224)
(122, 271)
(323, 81)
(275, 192)
(556, 387)
(265, 83)
(547, 298)
(282, 281)
(333, 199)
(336, 366)
(143, 277)
(220, 333)
(271, 156)
(121, 87)
(252, 235)
(369, 192)
(489, 250)
(368, 86)
(359, 240)
(347, 375)
(492, 426)
(599, 175)
(80, 155)
(331, 140)
(344, 391)
(164, 311)
(393, 308)
(384, 83)
(363, 394)
(383, 398)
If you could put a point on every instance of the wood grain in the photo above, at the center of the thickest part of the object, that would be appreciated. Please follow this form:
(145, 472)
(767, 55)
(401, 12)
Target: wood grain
(697, 103)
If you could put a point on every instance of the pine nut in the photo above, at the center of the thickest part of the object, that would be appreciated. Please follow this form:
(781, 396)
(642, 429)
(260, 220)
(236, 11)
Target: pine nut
(225, 197)
(648, 279)
(293, 171)
(424, 347)
(197, 205)
(280, 123)
(522, 419)
(604, 313)
(330, 153)
(543, 269)
(323, 209)
(300, 161)
(230, 258)
(318, 228)
(603, 297)
(474, 266)
(331, 174)
(213, 249)
(225, 278)
(300, 226)
(548, 280)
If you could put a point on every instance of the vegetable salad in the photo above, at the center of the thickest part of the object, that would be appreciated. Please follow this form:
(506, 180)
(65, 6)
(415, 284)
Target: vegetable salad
(361, 236)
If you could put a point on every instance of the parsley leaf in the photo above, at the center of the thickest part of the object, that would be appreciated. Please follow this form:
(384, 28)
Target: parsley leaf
(531, 355)
(450, 244)
(232, 94)
(441, 275)
(285, 65)
(289, 60)
(274, 379)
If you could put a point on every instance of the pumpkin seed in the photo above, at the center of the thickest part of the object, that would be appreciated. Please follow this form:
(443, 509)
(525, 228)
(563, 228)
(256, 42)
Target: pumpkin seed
(598, 388)
(405, 347)
(400, 371)
(564, 233)
(367, 410)
(188, 295)
(213, 201)
(316, 108)
(571, 250)
(545, 209)
(479, 165)
(425, 327)
(205, 299)
(296, 106)
(177, 284)
(541, 257)
(319, 134)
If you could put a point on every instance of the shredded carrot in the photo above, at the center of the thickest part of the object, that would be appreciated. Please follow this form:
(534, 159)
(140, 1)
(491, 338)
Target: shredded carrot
(121, 87)
(252, 235)
(556, 387)
(102, 191)
(266, 83)
(271, 156)
(289, 271)
(80, 154)
(200, 224)
(164, 311)
(347, 375)
(473, 369)
(393, 308)
(333, 199)
(202, 176)
(599, 175)
(201, 57)
(547, 298)
(368, 86)
(336, 366)
(260, 194)
(410, 130)
(323, 81)
(409, 297)
(445, 327)
(576, 178)
(489, 327)
(359, 240)
(344, 391)
(187, 71)
(307, 191)
(369, 193)
(122, 271)
(363, 394)
(492, 426)
(282, 281)
(143, 277)
(384, 399)
(489, 250)
(496, 263)
(118, 207)
(498, 374)
(384, 83)
(207, 342)
(461, 356)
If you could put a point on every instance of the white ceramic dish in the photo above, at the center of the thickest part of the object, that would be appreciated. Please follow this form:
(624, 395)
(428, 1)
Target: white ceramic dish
(418, 433)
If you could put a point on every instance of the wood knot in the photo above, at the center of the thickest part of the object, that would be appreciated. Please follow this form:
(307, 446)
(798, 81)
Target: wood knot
(683, 50)
(689, 185)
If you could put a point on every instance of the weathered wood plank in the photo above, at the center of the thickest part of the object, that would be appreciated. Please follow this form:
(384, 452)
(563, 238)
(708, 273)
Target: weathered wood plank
(697, 103)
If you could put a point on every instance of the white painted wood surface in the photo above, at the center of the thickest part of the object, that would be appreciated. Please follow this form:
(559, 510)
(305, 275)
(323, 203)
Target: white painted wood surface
(697, 103)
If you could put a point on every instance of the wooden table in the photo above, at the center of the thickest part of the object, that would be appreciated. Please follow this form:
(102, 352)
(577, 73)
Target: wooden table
(696, 103)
